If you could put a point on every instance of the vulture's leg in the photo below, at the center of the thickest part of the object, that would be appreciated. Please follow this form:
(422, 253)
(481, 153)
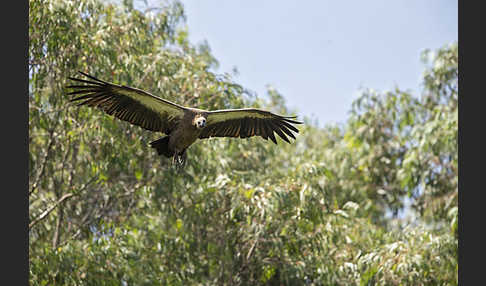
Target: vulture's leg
(182, 158)
(179, 159)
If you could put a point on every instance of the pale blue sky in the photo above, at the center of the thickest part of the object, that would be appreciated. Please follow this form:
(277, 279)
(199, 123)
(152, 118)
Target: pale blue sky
(319, 53)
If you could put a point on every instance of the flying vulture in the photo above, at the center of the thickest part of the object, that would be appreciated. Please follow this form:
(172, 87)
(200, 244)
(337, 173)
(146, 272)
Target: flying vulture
(182, 125)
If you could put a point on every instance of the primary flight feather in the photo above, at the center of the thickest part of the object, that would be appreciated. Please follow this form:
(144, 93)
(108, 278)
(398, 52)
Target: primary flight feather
(182, 125)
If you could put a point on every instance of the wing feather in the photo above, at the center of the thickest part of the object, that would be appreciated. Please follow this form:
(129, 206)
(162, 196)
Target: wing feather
(258, 129)
(270, 133)
(248, 122)
(127, 103)
(287, 131)
(231, 130)
(278, 131)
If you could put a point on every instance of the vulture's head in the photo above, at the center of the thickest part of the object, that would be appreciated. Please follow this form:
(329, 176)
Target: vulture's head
(200, 122)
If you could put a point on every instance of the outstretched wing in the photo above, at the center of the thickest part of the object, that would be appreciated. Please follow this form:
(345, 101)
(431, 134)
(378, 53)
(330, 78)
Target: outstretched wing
(248, 122)
(127, 103)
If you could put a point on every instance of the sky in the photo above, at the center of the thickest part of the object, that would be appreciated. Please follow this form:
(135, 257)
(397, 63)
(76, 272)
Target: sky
(319, 54)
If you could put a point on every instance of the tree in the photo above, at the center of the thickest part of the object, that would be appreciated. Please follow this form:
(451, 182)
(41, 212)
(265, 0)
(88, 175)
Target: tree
(105, 209)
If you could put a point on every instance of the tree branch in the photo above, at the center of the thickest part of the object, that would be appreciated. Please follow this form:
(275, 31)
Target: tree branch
(43, 165)
(62, 199)
(50, 209)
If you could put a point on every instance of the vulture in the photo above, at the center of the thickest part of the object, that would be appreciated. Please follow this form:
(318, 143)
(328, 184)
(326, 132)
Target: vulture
(182, 125)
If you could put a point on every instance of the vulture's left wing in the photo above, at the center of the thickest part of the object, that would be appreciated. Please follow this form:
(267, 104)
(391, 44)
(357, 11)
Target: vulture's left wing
(127, 103)
(248, 122)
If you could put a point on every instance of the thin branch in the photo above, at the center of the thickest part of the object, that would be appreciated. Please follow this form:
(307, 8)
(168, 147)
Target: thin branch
(44, 214)
(45, 159)
(50, 209)
(76, 234)
(58, 230)
(250, 252)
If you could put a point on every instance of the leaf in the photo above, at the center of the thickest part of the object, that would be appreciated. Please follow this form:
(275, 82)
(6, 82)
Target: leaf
(138, 174)
(351, 206)
(367, 278)
(341, 213)
(179, 224)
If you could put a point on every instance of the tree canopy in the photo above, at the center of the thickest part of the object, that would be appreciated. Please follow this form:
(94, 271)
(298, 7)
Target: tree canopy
(369, 202)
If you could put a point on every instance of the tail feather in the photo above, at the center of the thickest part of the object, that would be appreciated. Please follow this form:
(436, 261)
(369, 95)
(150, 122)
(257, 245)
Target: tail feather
(162, 146)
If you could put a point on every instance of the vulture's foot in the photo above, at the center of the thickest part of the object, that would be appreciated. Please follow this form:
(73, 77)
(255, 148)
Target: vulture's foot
(179, 160)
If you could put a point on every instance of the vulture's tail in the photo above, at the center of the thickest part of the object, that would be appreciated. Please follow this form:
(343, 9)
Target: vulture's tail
(162, 146)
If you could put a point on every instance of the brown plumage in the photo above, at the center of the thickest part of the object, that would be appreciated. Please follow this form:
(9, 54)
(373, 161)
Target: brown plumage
(183, 125)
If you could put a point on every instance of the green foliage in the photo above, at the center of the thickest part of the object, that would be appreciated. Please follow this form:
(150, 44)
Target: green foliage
(106, 210)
